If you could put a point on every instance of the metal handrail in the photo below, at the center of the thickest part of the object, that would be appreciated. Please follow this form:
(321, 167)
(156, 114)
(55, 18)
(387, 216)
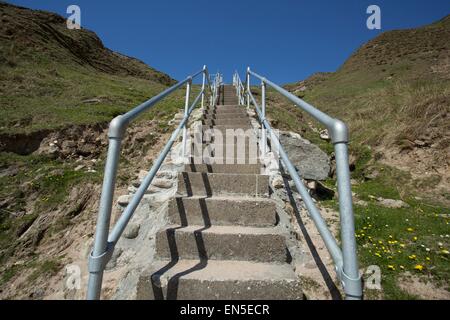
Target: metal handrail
(344, 257)
(105, 242)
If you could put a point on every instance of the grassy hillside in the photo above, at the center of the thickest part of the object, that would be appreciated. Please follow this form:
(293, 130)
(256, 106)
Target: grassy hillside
(59, 89)
(51, 76)
(394, 93)
(394, 89)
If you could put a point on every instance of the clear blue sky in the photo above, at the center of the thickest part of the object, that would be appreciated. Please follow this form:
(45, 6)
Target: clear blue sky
(286, 40)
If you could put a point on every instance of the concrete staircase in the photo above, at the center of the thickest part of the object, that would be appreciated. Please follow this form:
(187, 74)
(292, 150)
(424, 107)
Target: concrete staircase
(223, 241)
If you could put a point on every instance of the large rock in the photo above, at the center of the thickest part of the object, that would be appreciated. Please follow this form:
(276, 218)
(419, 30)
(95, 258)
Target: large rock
(311, 162)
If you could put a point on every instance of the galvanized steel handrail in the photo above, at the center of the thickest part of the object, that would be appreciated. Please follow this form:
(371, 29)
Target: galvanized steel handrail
(344, 257)
(105, 242)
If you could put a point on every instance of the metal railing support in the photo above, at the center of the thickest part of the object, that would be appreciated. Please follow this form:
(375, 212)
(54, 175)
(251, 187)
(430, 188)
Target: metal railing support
(247, 80)
(101, 254)
(103, 245)
(203, 86)
(263, 114)
(186, 108)
(345, 258)
(350, 276)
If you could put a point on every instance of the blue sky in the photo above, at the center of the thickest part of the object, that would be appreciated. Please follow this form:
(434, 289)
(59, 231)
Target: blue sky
(285, 40)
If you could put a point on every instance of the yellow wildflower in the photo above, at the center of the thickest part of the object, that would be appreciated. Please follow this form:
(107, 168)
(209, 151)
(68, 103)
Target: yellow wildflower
(412, 257)
(418, 267)
(410, 229)
(391, 267)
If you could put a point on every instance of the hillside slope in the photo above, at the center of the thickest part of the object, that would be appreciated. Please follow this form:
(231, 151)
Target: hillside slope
(51, 76)
(394, 93)
(59, 89)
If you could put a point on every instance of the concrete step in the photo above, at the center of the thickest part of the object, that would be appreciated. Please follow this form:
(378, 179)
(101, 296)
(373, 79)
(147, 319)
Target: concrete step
(222, 243)
(253, 212)
(212, 160)
(208, 184)
(222, 107)
(224, 168)
(231, 151)
(219, 280)
(239, 121)
(228, 114)
(233, 118)
(223, 129)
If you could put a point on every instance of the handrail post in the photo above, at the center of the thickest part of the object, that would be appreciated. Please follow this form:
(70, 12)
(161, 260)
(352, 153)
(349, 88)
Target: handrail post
(101, 252)
(203, 85)
(248, 87)
(350, 276)
(238, 91)
(186, 109)
(263, 110)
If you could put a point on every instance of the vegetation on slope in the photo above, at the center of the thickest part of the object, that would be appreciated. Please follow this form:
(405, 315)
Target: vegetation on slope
(394, 93)
(59, 89)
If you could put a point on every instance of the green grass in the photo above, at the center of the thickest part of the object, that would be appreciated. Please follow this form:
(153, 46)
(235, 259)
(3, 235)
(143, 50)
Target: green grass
(399, 240)
(49, 180)
(33, 98)
(44, 268)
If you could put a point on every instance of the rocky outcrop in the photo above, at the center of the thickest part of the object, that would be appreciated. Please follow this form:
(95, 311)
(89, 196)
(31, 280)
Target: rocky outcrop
(310, 161)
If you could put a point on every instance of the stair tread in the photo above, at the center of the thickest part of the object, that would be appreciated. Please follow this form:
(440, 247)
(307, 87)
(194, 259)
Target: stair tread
(234, 230)
(223, 270)
(237, 198)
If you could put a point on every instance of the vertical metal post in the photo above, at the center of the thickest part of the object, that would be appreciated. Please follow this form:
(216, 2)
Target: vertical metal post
(263, 110)
(238, 89)
(186, 109)
(203, 85)
(248, 88)
(351, 278)
(99, 255)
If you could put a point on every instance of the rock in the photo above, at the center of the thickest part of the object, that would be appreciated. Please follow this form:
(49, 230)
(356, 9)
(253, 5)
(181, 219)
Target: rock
(420, 143)
(162, 183)
(142, 174)
(312, 185)
(372, 174)
(136, 183)
(278, 182)
(324, 135)
(94, 100)
(113, 261)
(165, 175)
(360, 202)
(391, 203)
(132, 231)
(311, 162)
(123, 200)
(319, 191)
